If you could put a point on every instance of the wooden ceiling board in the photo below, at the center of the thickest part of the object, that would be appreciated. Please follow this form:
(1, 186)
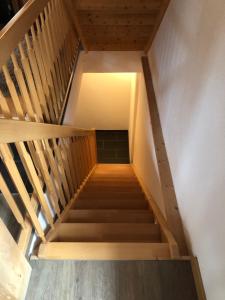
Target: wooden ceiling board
(106, 31)
(122, 5)
(117, 19)
(118, 24)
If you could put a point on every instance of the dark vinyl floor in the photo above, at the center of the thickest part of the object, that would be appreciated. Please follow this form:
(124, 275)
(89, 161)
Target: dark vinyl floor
(111, 280)
(112, 146)
(8, 218)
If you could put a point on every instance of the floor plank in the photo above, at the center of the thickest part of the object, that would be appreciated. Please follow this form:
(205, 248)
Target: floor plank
(107, 280)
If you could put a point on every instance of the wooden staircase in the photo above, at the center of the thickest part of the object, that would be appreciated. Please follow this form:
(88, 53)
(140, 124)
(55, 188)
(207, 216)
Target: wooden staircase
(110, 218)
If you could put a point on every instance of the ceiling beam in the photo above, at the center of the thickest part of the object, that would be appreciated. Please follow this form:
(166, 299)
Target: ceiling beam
(111, 19)
(122, 5)
(164, 6)
(73, 16)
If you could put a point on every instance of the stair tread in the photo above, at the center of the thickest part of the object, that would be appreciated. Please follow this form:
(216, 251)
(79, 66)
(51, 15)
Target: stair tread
(113, 176)
(119, 188)
(115, 192)
(100, 203)
(106, 232)
(109, 216)
(103, 251)
(110, 219)
(118, 182)
(112, 195)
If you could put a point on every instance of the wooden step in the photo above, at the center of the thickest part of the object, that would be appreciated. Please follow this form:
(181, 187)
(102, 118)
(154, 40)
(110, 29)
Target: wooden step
(113, 177)
(113, 167)
(113, 195)
(104, 203)
(109, 216)
(111, 188)
(115, 183)
(104, 251)
(106, 232)
(117, 179)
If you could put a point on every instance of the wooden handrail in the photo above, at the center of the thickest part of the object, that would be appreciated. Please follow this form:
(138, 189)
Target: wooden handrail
(168, 192)
(56, 160)
(38, 49)
(12, 131)
(16, 28)
(174, 249)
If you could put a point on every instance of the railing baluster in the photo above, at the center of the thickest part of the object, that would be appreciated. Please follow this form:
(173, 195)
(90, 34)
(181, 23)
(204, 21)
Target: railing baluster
(47, 178)
(18, 182)
(13, 93)
(4, 106)
(61, 169)
(67, 167)
(29, 166)
(30, 81)
(11, 202)
(55, 171)
(37, 78)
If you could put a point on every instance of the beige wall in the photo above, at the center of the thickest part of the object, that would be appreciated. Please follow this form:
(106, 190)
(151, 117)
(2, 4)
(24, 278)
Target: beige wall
(143, 152)
(188, 64)
(74, 94)
(81, 113)
(111, 61)
(104, 101)
(99, 62)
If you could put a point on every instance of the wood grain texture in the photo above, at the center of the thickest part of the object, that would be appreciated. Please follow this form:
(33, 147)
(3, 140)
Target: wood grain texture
(12, 131)
(107, 224)
(103, 251)
(38, 50)
(111, 280)
(15, 270)
(119, 25)
(109, 216)
(169, 195)
(110, 232)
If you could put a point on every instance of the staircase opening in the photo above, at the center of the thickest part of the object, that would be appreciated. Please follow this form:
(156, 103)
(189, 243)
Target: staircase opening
(112, 146)
(105, 101)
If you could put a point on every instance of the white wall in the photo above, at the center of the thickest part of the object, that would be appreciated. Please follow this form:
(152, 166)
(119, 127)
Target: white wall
(74, 93)
(99, 62)
(111, 61)
(85, 91)
(104, 101)
(188, 63)
(144, 158)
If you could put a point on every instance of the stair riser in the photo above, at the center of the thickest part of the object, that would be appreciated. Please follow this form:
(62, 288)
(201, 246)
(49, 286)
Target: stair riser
(106, 216)
(101, 232)
(112, 196)
(104, 251)
(115, 204)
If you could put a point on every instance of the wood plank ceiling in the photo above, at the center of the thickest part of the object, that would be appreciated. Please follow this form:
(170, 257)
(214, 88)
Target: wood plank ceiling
(118, 24)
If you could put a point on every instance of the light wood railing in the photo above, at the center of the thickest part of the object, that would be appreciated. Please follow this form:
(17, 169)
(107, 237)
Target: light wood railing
(56, 160)
(38, 50)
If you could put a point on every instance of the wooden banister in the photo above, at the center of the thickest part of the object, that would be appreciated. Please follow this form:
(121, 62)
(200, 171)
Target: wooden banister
(16, 131)
(16, 28)
(168, 192)
(38, 50)
(166, 232)
(56, 160)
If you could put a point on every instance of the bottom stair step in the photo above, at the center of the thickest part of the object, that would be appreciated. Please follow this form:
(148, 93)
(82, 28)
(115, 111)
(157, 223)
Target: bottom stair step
(104, 251)
(109, 216)
(106, 232)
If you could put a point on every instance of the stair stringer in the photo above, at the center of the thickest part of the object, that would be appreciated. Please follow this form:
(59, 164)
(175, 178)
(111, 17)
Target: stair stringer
(166, 232)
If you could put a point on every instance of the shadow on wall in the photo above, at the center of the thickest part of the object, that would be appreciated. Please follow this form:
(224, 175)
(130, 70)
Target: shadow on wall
(165, 82)
(187, 60)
